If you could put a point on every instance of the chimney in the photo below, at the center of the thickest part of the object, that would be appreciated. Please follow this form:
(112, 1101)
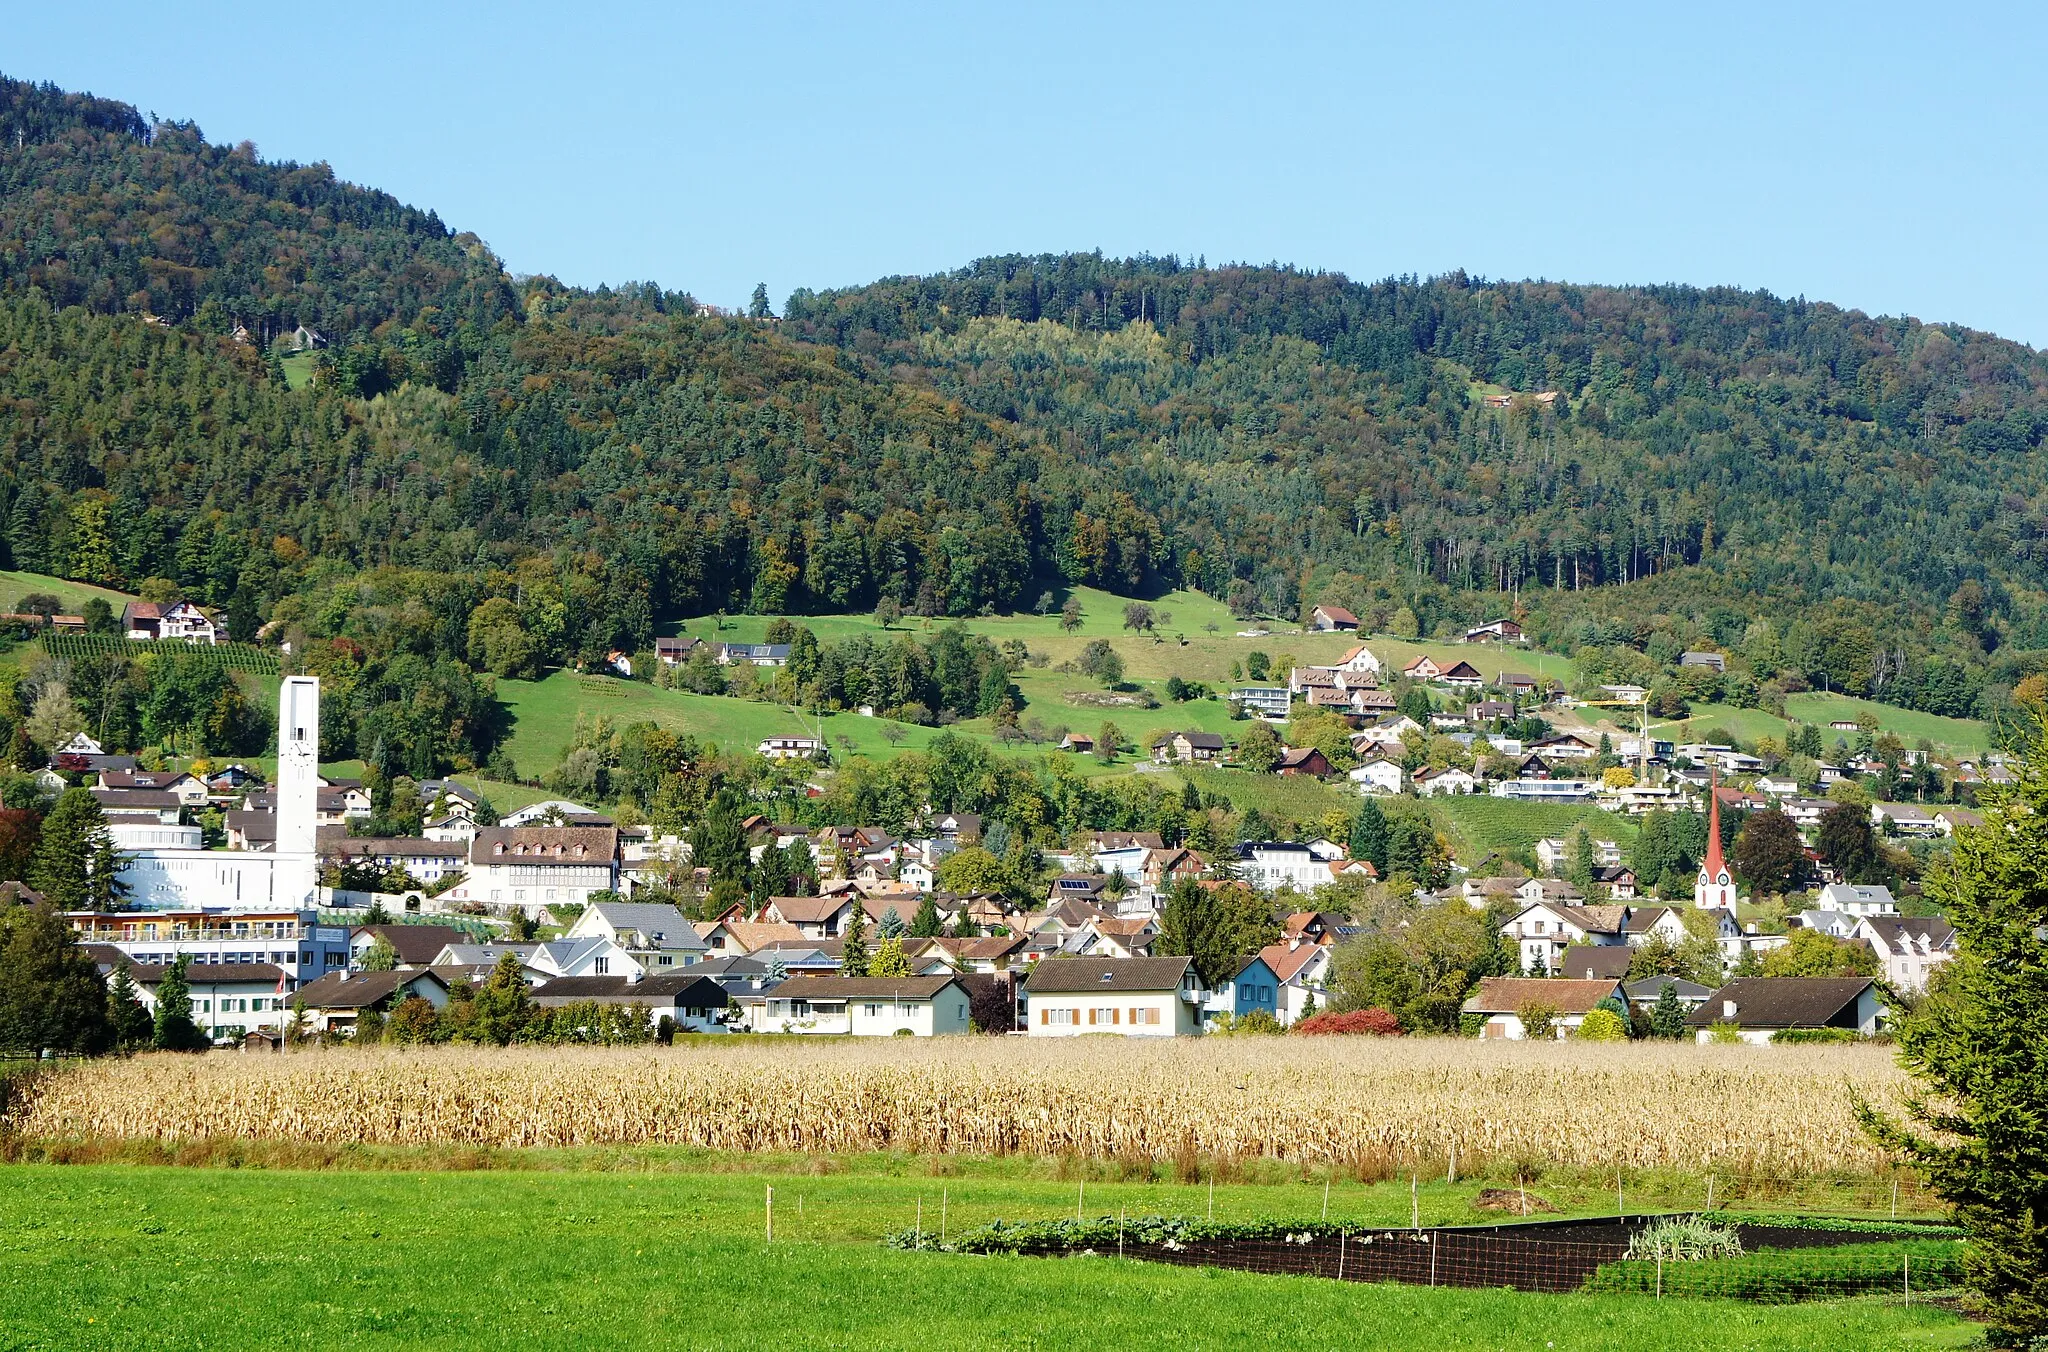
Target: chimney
(633, 977)
(1727, 1009)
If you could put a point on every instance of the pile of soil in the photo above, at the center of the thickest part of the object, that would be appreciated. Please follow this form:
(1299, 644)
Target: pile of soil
(1511, 1200)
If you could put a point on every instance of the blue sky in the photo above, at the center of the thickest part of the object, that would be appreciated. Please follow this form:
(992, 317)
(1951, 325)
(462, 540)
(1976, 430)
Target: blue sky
(1883, 157)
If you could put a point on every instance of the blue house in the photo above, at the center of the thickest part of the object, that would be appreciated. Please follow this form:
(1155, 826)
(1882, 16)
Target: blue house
(1254, 987)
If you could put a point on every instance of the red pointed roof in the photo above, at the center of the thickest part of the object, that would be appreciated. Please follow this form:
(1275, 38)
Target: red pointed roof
(1712, 865)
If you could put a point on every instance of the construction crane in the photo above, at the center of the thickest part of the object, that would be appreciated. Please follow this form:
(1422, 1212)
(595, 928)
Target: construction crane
(1642, 706)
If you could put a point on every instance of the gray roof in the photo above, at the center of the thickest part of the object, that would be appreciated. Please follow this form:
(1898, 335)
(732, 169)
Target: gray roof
(360, 990)
(1901, 931)
(1782, 1001)
(665, 927)
(1650, 987)
(1069, 976)
(1596, 961)
(862, 987)
(669, 988)
(212, 974)
(416, 945)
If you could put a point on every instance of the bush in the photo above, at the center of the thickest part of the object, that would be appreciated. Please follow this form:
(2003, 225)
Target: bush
(1255, 1023)
(1725, 1034)
(1371, 1022)
(1798, 1037)
(1603, 1025)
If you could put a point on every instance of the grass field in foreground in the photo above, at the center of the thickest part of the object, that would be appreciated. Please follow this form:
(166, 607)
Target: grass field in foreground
(126, 1257)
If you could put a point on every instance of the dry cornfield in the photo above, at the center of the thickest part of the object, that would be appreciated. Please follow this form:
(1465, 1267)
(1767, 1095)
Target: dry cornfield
(1773, 1110)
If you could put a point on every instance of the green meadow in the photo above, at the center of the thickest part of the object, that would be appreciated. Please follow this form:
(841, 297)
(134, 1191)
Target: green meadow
(128, 1257)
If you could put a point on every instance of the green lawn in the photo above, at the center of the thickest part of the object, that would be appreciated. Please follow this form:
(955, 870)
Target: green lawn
(1285, 798)
(1961, 736)
(1481, 825)
(71, 595)
(298, 368)
(544, 716)
(125, 1257)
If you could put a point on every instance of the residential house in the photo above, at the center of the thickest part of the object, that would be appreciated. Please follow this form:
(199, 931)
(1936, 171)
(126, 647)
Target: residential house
(1167, 866)
(474, 962)
(428, 861)
(923, 1006)
(1712, 661)
(1111, 937)
(1948, 819)
(1565, 746)
(1903, 819)
(985, 955)
(813, 917)
(333, 1005)
(1305, 760)
(1461, 675)
(1188, 746)
(789, 748)
(692, 1002)
(417, 946)
(1359, 661)
(1271, 864)
(1423, 668)
(187, 789)
(751, 654)
(229, 1000)
(1623, 693)
(1618, 880)
(1255, 989)
(1645, 994)
(1553, 854)
(1302, 970)
(1777, 786)
(1136, 997)
(1547, 790)
(1857, 900)
(1761, 1007)
(1495, 631)
(1501, 1002)
(1552, 923)
(727, 937)
(1910, 947)
(673, 652)
(1433, 783)
(1332, 618)
(528, 867)
(147, 620)
(1376, 774)
(1264, 701)
(657, 937)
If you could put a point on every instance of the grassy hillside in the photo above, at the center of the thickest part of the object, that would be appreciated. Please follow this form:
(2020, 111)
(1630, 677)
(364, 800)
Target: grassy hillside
(1956, 736)
(72, 595)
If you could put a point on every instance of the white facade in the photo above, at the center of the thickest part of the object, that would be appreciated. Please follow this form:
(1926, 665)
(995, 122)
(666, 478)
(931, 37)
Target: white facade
(1129, 1013)
(1270, 864)
(1266, 701)
(1377, 776)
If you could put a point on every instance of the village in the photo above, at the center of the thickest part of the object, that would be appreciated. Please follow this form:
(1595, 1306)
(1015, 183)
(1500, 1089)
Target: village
(302, 928)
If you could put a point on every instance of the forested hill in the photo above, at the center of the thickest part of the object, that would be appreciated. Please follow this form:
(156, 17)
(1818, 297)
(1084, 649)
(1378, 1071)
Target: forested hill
(1666, 465)
(1775, 447)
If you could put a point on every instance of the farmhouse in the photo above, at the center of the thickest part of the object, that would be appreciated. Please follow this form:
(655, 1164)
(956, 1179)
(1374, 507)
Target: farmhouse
(146, 620)
(1331, 618)
(1188, 746)
(1137, 997)
(1495, 631)
(674, 651)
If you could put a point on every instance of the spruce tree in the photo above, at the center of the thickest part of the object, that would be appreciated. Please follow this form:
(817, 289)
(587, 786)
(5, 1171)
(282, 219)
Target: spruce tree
(1979, 1044)
(927, 923)
(75, 866)
(175, 1030)
(51, 994)
(720, 843)
(1369, 835)
(890, 926)
(853, 957)
(1667, 1016)
(128, 1018)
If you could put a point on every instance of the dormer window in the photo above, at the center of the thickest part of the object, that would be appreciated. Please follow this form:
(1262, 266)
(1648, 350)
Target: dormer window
(500, 847)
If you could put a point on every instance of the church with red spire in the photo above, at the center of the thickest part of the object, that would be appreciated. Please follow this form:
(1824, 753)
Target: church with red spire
(1714, 888)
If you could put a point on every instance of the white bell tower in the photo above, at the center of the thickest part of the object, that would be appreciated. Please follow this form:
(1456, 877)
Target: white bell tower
(298, 787)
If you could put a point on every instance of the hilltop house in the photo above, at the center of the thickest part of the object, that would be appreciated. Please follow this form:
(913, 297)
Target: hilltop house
(146, 620)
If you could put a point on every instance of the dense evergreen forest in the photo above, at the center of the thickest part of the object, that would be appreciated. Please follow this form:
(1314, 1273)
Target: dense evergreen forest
(487, 465)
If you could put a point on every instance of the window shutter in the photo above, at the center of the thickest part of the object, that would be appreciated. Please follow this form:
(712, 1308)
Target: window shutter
(1045, 1016)
(1116, 1016)
(1091, 1015)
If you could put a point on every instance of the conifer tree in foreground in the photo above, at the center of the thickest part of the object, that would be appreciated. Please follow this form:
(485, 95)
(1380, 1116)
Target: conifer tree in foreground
(1979, 1045)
